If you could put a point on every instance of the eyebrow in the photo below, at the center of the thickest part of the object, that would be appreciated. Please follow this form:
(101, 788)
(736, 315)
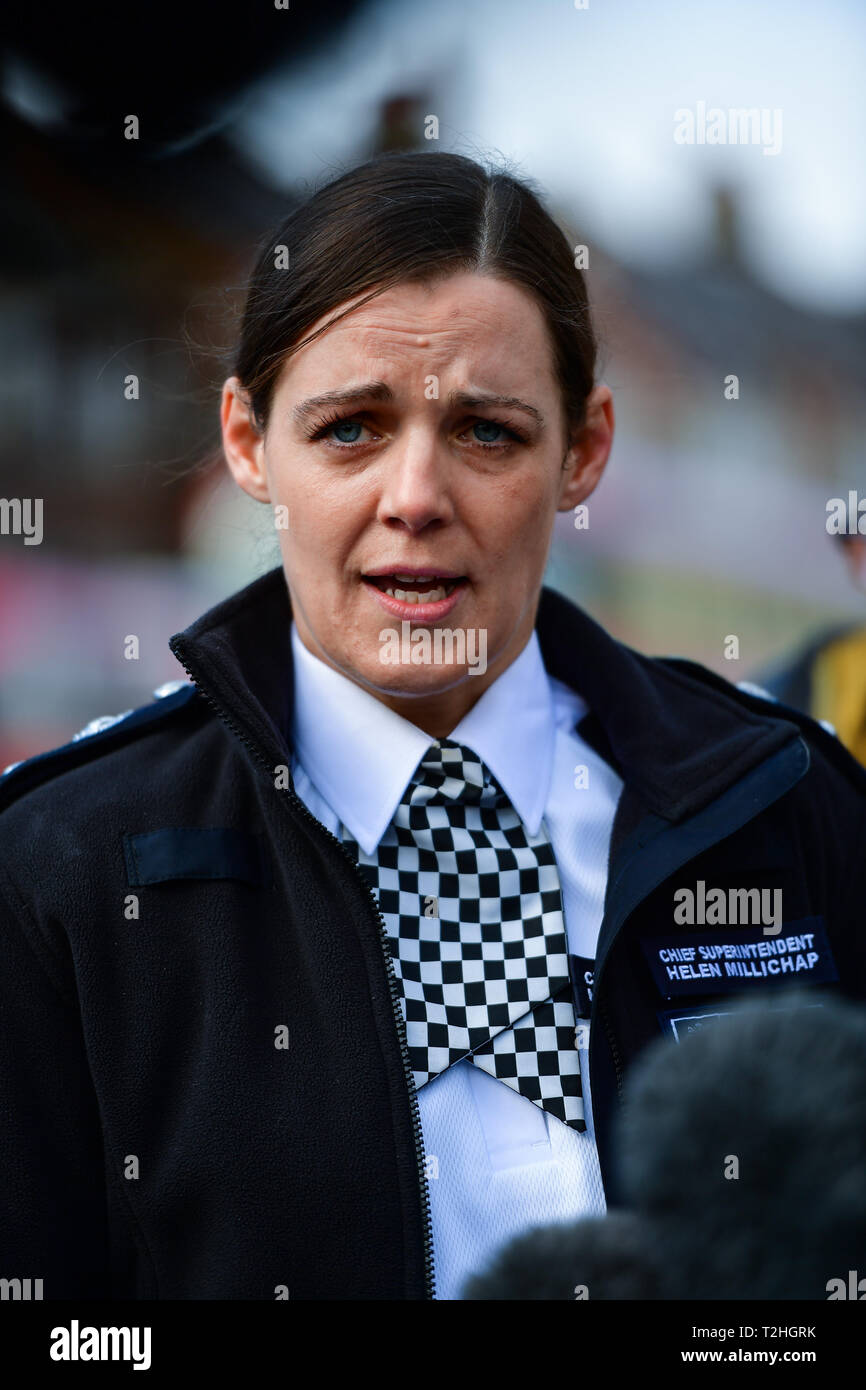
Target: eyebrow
(370, 391)
(488, 398)
(381, 391)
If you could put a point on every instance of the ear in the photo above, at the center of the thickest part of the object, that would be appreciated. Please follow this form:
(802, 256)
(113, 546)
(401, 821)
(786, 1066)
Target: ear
(589, 450)
(243, 444)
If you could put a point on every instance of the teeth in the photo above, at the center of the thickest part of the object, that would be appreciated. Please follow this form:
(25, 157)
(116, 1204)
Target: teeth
(410, 596)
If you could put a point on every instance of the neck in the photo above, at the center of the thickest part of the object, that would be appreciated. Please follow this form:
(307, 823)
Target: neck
(436, 712)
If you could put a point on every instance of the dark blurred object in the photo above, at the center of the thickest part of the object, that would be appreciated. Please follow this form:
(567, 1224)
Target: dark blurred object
(614, 1257)
(78, 71)
(779, 1087)
(401, 119)
(782, 1089)
(109, 266)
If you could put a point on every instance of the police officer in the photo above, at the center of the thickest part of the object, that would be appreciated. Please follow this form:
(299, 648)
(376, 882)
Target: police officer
(322, 973)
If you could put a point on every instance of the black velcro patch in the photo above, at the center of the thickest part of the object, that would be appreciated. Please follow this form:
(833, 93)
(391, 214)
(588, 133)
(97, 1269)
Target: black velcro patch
(156, 856)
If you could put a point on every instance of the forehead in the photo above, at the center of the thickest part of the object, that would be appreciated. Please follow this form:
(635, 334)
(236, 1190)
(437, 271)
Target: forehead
(466, 323)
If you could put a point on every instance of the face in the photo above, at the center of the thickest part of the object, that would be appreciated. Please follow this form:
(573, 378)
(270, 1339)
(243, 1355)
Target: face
(416, 455)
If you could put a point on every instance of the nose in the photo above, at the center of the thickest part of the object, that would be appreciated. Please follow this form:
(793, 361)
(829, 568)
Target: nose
(416, 483)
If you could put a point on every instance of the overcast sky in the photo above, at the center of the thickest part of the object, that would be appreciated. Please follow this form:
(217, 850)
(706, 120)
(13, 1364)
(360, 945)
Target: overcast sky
(584, 101)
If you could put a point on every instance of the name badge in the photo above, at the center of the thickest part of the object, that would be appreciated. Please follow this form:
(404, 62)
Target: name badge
(722, 962)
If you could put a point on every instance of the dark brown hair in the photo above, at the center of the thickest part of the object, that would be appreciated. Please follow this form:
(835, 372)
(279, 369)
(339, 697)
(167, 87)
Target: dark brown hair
(412, 216)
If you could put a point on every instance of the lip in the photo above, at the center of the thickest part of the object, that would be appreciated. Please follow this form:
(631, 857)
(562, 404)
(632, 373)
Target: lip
(418, 612)
(412, 569)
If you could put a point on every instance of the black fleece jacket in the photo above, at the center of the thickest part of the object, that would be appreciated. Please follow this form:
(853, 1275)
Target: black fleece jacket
(204, 1083)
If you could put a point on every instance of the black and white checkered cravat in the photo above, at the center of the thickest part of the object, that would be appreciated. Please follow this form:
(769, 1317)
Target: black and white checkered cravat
(473, 908)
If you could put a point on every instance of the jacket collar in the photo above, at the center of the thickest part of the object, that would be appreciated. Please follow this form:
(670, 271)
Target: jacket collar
(678, 735)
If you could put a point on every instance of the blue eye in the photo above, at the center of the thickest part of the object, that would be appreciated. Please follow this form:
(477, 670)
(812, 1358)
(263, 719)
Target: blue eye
(487, 425)
(343, 426)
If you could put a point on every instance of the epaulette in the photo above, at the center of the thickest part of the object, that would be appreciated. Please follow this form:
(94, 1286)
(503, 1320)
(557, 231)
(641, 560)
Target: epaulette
(755, 697)
(100, 734)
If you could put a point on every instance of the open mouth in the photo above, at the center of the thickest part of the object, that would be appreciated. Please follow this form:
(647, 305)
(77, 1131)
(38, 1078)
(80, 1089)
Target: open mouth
(411, 588)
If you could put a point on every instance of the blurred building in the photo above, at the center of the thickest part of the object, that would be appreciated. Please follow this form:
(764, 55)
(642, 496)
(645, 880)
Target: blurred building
(711, 519)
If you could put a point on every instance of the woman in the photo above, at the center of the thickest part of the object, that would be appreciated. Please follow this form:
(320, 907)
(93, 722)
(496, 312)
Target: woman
(322, 974)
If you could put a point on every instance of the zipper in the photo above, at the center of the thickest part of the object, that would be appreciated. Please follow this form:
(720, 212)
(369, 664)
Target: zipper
(601, 1011)
(393, 988)
(614, 1048)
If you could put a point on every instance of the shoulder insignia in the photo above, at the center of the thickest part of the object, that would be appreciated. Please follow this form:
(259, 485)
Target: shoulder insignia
(761, 693)
(95, 726)
(103, 731)
(819, 731)
(758, 691)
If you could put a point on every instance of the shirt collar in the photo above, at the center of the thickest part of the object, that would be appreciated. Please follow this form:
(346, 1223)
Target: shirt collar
(339, 732)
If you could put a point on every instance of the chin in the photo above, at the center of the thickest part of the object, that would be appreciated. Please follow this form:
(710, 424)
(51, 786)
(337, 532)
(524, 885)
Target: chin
(413, 682)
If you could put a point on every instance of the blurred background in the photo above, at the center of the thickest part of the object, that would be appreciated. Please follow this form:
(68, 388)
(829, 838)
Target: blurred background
(126, 258)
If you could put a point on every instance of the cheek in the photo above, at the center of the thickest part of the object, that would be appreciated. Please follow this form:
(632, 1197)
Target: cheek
(516, 524)
(312, 513)
(319, 539)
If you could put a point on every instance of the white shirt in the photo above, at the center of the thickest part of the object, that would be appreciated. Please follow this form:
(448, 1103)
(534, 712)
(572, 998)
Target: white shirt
(497, 1164)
